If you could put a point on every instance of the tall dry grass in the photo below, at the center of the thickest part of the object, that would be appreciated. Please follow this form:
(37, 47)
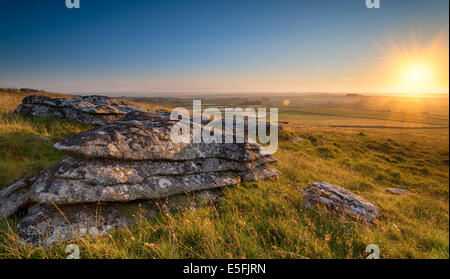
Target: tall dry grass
(268, 219)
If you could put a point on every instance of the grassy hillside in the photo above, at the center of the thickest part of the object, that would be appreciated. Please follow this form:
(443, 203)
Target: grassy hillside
(268, 219)
(26, 143)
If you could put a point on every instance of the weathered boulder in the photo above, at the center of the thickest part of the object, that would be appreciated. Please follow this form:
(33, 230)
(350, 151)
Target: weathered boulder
(85, 109)
(339, 201)
(146, 136)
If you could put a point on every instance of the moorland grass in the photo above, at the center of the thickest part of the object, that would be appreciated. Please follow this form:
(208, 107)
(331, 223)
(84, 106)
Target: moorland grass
(267, 219)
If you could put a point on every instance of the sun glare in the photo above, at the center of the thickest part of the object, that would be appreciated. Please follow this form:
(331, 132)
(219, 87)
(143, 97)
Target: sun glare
(418, 77)
(417, 67)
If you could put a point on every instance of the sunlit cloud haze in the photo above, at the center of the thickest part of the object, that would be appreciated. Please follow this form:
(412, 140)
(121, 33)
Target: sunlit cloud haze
(158, 47)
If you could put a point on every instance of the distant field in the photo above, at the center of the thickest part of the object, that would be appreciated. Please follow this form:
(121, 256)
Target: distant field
(268, 219)
(328, 110)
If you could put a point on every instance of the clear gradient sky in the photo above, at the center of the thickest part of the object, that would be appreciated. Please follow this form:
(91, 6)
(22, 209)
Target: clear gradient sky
(147, 47)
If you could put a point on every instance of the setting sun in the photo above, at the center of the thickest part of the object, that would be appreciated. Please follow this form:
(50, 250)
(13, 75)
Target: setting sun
(418, 77)
(416, 67)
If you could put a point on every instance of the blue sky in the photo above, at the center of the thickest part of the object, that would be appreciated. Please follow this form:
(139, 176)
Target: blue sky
(206, 46)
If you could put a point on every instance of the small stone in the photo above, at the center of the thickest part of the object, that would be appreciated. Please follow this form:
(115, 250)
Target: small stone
(397, 191)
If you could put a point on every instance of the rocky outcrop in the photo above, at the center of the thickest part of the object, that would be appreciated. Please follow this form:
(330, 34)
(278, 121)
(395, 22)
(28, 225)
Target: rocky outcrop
(123, 162)
(85, 109)
(339, 201)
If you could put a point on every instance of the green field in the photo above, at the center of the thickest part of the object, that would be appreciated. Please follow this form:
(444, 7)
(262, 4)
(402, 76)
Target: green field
(364, 144)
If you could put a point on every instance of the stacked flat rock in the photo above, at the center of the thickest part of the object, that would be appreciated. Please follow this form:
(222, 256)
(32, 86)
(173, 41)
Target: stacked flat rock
(84, 109)
(125, 161)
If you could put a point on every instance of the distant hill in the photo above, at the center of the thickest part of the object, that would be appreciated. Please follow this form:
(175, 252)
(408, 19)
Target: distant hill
(25, 90)
(353, 95)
